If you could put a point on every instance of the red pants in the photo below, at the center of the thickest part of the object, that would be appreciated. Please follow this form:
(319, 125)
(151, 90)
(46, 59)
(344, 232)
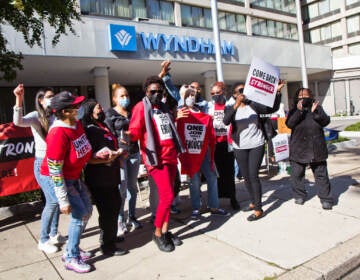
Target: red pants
(164, 178)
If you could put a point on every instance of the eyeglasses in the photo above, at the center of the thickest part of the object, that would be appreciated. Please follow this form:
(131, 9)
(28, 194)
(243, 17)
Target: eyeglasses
(241, 90)
(153, 91)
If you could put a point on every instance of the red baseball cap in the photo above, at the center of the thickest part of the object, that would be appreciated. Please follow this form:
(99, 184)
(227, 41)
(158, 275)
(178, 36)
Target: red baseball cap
(64, 100)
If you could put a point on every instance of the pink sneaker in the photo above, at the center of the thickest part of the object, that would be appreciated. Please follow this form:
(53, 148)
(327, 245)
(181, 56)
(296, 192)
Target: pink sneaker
(77, 265)
(84, 255)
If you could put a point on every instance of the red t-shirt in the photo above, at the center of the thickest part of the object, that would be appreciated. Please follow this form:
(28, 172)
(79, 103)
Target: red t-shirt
(69, 145)
(165, 146)
(197, 132)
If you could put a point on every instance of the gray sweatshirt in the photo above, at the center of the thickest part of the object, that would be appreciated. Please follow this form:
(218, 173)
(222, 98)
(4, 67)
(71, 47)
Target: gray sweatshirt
(31, 120)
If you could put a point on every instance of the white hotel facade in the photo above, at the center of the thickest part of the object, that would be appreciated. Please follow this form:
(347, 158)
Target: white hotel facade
(124, 41)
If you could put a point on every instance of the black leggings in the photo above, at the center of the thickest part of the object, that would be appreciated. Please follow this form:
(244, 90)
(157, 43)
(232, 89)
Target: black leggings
(249, 161)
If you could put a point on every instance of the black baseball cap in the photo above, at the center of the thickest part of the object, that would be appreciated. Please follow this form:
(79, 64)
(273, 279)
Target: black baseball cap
(64, 100)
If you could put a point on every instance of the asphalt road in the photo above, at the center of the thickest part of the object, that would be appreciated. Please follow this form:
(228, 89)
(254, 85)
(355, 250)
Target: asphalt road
(341, 124)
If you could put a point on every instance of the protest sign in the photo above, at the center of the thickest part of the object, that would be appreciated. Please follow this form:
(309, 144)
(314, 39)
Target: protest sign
(261, 82)
(17, 150)
(281, 146)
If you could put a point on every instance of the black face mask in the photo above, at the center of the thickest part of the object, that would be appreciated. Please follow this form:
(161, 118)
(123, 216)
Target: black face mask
(197, 98)
(219, 99)
(307, 102)
(155, 99)
(101, 117)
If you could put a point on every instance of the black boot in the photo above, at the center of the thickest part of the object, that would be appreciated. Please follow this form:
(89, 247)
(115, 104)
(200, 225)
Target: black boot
(163, 243)
(171, 238)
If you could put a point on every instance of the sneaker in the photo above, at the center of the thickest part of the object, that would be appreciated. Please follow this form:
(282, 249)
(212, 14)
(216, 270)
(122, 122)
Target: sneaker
(174, 239)
(47, 247)
(57, 239)
(174, 210)
(84, 255)
(195, 214)
(77, 265)
(163, 244)
(134, 223)
(122, 229)
(220, 212)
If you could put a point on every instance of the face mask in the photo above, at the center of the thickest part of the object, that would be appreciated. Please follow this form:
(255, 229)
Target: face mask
(124, 102)
(307, 102)
(80, 113)
(47, 102)
(219, 99)
(155, 99)
(101, 116)
(190, 101)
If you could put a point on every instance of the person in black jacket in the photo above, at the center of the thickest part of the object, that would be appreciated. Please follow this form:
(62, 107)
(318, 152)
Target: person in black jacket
(249, 142)
(102, 175)
(308, 147)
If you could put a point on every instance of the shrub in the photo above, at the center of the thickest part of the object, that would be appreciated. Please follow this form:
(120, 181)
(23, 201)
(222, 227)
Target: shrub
(20, 198)
(353, 127)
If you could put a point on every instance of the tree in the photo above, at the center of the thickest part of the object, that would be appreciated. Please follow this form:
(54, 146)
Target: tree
(29, 17)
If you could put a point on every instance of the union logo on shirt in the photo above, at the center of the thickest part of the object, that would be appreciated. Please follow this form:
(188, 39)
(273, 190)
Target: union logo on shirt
(82, 146)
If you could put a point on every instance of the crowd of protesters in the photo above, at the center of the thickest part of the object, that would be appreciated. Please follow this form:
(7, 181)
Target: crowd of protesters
(85, 155)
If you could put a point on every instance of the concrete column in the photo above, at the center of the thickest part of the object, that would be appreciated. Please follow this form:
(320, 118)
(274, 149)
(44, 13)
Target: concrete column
(347, 97)
(248, 19)
(285, 97)
(316, 89)
(101, 82)
(177, 14)
(209, 79)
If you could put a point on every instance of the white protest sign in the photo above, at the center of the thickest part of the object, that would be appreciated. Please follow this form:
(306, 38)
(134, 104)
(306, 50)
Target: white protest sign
(281, 146)
(194, 137)
(261, 82)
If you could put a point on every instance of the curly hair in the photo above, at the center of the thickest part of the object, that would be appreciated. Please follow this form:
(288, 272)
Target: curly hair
(153, 80)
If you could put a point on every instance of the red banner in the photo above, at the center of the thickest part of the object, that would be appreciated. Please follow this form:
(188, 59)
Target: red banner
(17, 150)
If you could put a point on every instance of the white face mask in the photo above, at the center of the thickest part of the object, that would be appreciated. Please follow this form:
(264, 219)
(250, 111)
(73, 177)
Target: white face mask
(47, 102)
(163, 100)
(190, 101)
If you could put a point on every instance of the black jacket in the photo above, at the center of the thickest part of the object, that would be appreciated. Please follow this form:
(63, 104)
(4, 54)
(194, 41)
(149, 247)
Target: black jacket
(229, 117)
(101, 175)
(118, 124)
(307, 141)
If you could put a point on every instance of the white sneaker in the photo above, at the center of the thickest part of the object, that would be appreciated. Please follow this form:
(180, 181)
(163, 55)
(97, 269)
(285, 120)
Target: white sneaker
(57, 239)
(122, 229)
(47, 247)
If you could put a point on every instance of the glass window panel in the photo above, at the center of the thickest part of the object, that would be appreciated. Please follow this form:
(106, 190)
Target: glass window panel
(263, 28)
(279, 29)
(271, 28)
(349, 2)
(294, 32)
(122, 8)
(315, 35)
(85, 6)
(241, 25)
(352, 24)
(167, 11)
(208, 18)
(154, 9)
(139, 8)
(222, 20)
(325, 32)
(324, 7)
(106, 8)
(196, 14)
(313, 10)
(334, 5)
(255, 26)
(336, 29)
(186, 17)
(354, 49)
(338, 52)
(231, 22)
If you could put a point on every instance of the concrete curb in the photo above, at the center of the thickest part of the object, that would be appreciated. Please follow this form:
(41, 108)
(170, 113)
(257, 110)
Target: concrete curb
(330, 265)
(350, 134)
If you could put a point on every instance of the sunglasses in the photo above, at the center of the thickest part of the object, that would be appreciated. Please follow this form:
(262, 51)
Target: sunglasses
(153, 91)
(241, 90)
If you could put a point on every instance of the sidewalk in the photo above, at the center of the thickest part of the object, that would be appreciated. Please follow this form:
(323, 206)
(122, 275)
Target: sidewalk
(290, 242)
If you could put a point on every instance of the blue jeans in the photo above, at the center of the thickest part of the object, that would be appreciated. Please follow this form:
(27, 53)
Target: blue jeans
(128, 185)
(81, 209)
(51, 212)
(211, 179)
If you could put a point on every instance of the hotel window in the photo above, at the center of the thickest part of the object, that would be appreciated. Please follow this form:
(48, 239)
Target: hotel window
(350, 2)
(338, 52)
(195, 16)
(353, 25)
(354, 49)
(231, 22)
(272, 28)
(324, 7)
(287, 6)
(315, 35)
(156, 9)
(313, 10)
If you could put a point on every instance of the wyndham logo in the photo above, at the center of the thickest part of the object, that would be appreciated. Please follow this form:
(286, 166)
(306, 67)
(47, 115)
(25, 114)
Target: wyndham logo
(122, 38)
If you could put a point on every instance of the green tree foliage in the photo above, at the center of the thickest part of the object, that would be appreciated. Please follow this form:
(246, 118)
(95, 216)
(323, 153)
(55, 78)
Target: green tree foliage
(29, 17)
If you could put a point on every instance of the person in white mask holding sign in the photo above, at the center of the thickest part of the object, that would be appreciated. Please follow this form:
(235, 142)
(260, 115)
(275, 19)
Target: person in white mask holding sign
(39, 121)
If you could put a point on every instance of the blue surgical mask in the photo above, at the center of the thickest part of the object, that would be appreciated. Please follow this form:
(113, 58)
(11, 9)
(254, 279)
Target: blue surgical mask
(124, 102)
(80, 113)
